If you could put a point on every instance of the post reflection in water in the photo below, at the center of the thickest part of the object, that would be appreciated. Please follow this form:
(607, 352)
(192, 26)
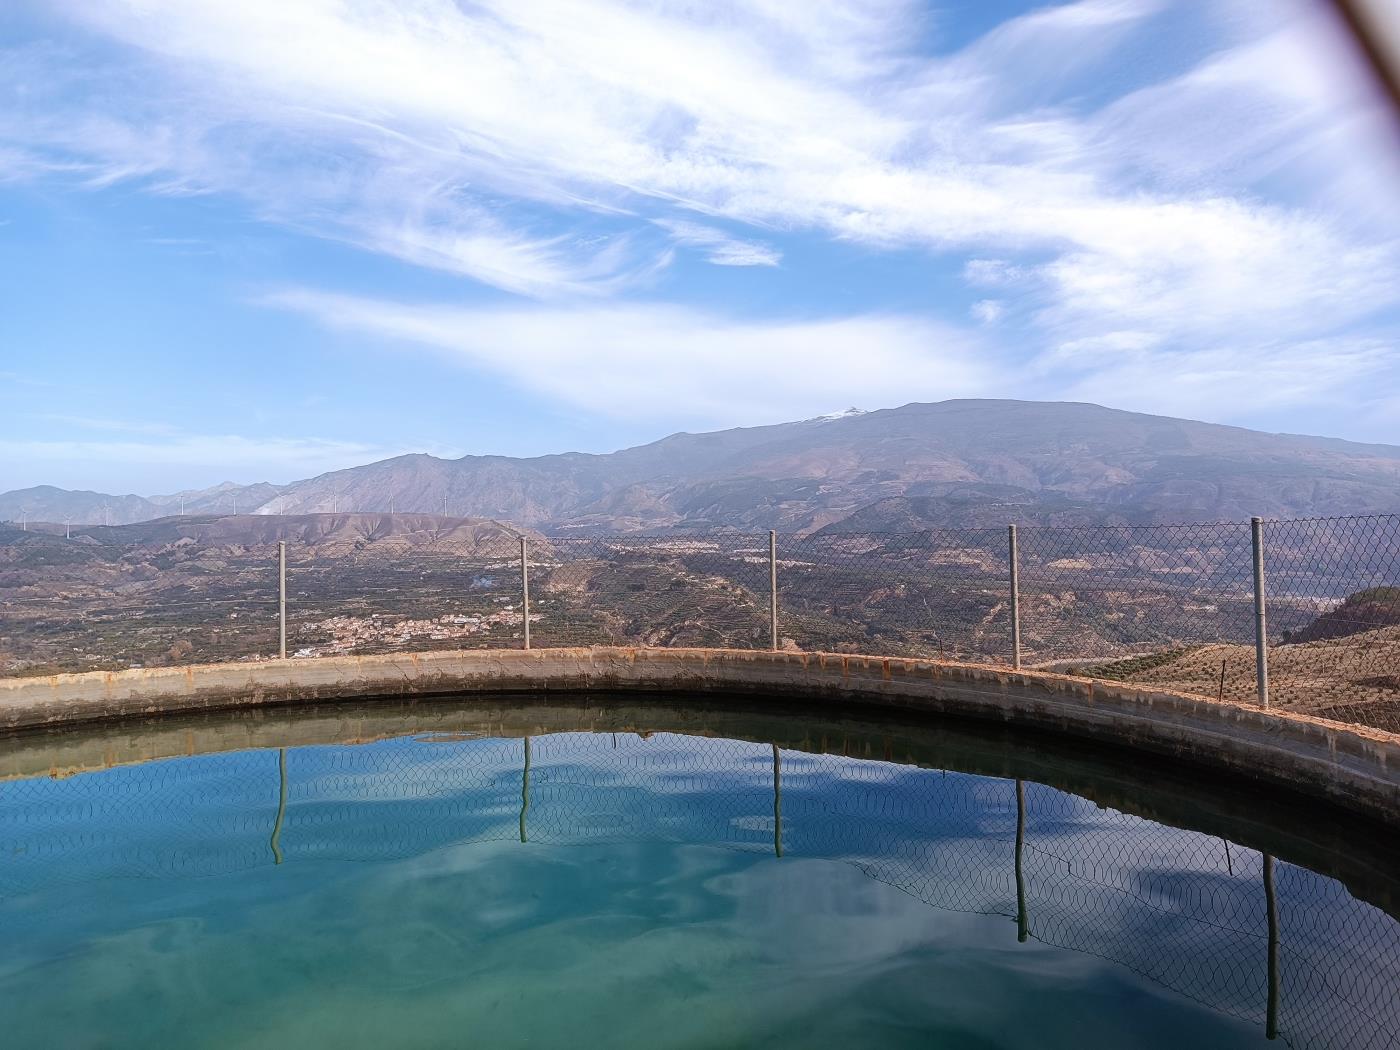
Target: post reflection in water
(525, 791)
(281, 805)
(1269, 944)
(1271, 908)
(1022, 927)
(777, 802)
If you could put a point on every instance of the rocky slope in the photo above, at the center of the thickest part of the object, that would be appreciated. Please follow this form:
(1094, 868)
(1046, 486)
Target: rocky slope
(955, 463)
(924, 465)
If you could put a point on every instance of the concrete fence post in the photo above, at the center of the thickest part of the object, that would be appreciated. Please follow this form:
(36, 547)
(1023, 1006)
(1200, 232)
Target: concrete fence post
(525, 587)
(1261, 626)
(1014, 562)
(282, 599)
(773, 589)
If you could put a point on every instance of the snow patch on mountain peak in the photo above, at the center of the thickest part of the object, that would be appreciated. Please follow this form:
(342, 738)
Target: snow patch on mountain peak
(847, 414)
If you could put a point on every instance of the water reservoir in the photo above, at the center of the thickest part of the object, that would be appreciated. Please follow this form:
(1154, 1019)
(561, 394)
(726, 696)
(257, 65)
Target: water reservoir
(632, 872)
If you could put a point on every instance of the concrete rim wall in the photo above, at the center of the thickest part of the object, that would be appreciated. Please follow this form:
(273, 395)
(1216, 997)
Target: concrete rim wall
(1354, 766)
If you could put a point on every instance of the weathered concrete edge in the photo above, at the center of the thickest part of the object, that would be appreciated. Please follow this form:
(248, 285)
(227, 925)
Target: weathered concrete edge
(1354, 766)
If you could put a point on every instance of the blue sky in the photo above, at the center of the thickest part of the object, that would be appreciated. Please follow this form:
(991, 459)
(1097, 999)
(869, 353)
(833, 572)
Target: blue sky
(261, 240)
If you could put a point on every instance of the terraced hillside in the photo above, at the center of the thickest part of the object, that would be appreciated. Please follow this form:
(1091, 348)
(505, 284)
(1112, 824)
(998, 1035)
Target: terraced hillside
(1353, 679)
(1166, 605)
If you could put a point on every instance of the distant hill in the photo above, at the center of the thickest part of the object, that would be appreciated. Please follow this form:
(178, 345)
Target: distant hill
(956, 462)
(315, 532)
(46, 503)
(225, 498)
(953, 463)
(1366, 610)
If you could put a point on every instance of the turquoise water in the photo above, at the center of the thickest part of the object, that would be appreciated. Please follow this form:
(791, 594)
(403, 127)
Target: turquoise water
(457, 882)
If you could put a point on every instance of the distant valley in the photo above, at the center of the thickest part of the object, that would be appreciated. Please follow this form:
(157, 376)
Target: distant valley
(893, 542)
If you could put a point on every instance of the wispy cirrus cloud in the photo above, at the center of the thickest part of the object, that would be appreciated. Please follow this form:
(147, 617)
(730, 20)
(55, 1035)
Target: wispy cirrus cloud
(1225, 191)
(664, 362)
(1243, 383)
(719, 247)
(689, 367)
(427, 111)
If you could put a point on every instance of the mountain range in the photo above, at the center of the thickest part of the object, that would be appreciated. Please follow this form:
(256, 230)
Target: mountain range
(951, 463)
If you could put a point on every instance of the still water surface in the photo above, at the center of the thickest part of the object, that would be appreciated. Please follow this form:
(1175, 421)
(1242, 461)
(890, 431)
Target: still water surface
(441, 876)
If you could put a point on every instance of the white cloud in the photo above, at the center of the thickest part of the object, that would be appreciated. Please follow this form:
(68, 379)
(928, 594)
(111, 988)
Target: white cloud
(993, 273)
(1245, 385)
(666, 362)
(988, 311)
(719, 247)
(681, 366)
(1239, 199)
(488, 252)
(425, 110)
(1216, 269)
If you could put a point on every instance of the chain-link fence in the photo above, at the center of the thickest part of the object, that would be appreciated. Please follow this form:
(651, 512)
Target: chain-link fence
(1173, 605)
(1270, 943)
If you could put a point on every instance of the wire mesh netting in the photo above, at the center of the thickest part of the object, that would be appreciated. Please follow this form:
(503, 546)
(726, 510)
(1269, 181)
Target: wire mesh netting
(1334, 616)
(377, 599)
(1169, 605)
(1190, 912)
(1106, 593)
(1174, 606)
(942, 594)
(665, 591)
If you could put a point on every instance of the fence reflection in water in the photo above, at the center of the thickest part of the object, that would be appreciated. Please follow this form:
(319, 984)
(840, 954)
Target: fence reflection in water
(1262, 940)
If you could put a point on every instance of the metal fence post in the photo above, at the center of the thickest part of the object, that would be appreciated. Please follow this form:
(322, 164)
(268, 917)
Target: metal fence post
(773, 589)
(282, 599)
(1261, 627)
(525, 586)
(1271, 906)
(1014, 560)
